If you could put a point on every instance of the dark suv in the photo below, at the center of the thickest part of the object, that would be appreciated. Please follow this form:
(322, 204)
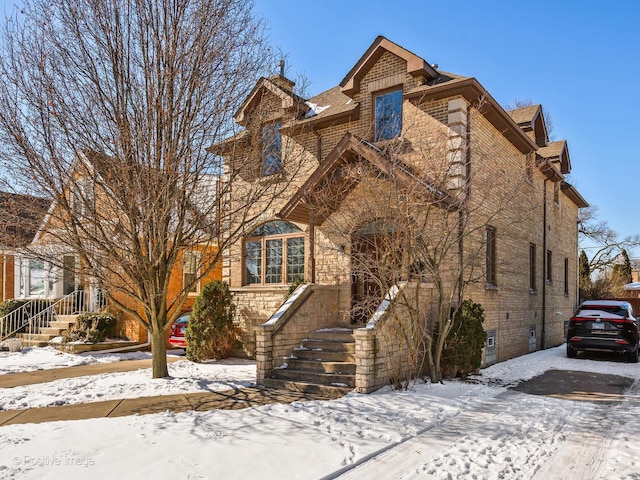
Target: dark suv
(606, 325)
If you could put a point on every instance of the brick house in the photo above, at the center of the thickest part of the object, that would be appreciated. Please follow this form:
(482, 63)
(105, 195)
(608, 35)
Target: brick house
(20, 216)
(394, 105)
(47, 267)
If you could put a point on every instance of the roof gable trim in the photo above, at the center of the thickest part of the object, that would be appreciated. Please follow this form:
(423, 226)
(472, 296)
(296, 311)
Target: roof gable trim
(416, 66)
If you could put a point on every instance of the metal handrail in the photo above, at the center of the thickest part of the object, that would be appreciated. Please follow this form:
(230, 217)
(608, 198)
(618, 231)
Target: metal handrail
(16, 319)
(73, 303)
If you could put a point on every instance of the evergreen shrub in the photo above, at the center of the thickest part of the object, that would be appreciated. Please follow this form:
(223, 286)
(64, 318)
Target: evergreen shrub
(211, 333)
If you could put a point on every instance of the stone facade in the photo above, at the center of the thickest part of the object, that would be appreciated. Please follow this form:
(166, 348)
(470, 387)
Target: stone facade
(499, 164)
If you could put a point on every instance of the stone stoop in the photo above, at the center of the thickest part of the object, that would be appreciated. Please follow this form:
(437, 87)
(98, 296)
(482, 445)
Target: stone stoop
(324, 363)
(45, 334)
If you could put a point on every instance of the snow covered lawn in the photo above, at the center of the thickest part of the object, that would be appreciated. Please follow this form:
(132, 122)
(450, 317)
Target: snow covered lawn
(185, 377)
(457, 430)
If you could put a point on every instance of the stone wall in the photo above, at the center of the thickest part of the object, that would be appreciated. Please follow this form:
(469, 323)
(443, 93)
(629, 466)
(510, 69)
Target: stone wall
(311, 307)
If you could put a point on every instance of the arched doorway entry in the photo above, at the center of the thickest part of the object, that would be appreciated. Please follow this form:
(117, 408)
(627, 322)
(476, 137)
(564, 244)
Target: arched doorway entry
(376, 265)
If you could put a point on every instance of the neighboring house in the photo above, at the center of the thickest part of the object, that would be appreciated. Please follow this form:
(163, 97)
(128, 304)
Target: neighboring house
(635, 269)
(389, 105)
(21, 215)
(49, 268)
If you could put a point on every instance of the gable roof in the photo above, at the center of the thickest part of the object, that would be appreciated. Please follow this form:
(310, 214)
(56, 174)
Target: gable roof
(333, 180)
(416, 66)
(275, 85)
(557, 152)
(21, 217)
(531, 119)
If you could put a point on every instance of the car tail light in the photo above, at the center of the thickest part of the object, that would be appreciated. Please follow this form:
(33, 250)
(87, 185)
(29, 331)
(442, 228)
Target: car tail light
(575, 339)
(621, 341)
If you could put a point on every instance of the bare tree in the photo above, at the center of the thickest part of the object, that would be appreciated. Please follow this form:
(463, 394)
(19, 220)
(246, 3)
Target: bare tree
(108, 108)
(600, 241)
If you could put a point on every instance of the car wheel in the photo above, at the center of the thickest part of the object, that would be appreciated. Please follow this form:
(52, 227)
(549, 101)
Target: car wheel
(633, 356)
(571, 352)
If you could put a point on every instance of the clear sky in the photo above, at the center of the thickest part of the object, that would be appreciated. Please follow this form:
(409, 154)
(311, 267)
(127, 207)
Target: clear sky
(579, 59)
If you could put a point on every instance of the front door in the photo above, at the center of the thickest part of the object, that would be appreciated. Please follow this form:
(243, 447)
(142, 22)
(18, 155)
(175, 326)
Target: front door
(365, 285)
(376, 263)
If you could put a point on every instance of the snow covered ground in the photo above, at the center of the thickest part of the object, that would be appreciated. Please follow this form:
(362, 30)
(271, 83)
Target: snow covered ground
(185, 377)
(453, 431)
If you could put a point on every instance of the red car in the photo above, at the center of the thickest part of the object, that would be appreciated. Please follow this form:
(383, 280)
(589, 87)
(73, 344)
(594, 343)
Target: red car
(178, 329)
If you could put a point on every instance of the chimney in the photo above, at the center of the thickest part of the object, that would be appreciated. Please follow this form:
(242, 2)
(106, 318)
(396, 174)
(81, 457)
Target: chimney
(282, 81)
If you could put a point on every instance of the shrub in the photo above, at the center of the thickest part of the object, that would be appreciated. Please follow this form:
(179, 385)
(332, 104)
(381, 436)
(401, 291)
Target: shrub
(211, 332)
(462, 353)
(91, 327)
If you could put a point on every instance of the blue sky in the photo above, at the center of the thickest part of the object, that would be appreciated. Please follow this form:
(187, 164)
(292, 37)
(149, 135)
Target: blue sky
(579, 59)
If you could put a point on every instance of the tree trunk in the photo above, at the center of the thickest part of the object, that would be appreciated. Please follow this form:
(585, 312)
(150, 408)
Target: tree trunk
(159, 354)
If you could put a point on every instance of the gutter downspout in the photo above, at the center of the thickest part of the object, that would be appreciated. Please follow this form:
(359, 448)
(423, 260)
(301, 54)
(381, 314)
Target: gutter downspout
(544, 267)
(4, 275)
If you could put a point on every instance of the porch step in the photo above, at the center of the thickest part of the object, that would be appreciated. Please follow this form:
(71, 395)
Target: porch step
(324, 362)
(321, 366)
(307, 354)
(44, 335)
(304, 387)
(333, 335)
(35, 340)
(328, 346)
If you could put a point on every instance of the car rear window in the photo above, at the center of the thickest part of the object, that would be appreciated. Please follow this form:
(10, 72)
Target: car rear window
(614, 309)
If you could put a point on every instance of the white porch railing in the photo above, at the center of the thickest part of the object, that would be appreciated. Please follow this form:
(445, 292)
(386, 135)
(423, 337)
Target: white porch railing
(78, 301)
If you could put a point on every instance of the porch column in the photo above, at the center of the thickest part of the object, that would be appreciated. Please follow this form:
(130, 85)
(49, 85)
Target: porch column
(264, 352)
(365, 360)
(312, 247)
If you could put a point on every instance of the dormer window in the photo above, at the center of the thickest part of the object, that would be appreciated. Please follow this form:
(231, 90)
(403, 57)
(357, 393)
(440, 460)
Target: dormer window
(271, 149)
(388, 115)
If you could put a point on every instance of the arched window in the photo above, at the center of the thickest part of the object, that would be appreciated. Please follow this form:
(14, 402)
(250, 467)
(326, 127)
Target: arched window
(274, 254)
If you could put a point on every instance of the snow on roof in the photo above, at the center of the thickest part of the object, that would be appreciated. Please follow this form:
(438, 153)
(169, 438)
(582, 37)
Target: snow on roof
(315, 109)
(632, 286)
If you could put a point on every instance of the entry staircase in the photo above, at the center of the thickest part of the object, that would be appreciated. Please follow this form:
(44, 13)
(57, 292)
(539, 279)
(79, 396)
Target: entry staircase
(324, 363)
(37, 329)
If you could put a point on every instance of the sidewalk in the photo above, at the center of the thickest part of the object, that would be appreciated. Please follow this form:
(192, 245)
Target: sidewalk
(201, 401)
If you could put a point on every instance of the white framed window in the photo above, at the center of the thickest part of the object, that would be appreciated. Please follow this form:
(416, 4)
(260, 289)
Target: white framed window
(36, 278)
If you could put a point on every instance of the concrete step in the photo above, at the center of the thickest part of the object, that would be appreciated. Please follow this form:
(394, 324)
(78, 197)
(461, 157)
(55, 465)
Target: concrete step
(321, 366)
(37, 337)
(34, 343)
(306, 354)
(305, 387)
(66, 319)
(52, 331)
(332, 379)
(333, 335)
(61, 324)
(329, 346)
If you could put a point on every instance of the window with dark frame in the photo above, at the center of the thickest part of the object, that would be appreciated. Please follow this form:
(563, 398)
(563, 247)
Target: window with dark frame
(532, 267)
(190, 271)
(271, 149)
(388, 115)
(549, 266)
(491, 256)
(274, 254)
(566, 276)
